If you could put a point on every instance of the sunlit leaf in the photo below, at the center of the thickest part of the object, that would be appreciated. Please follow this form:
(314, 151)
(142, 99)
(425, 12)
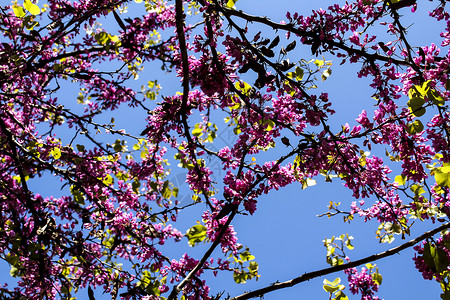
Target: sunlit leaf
(246, 256)
(196, 234)
(330, 289)
(400, 179)
(442, 176)
(231, 4)
(108, 180)
(377, 278)
(434, 96)
(55, 153)
(14, 271)
(319, 62)
(240, 277)
(31, 7)
(18, 11)
(326, 74)
(414, 127)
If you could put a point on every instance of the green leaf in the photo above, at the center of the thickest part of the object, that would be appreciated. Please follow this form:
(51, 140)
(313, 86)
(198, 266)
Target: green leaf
(330, 289)
(197, 132)
(239, 277)
(400, 179)
(231, 3)
(349, 245)
(175, 192)
(434, 96)
(334, 283)
(166, 192)
(440, 260)
(108, 180)
(117, 146)
(246, 256)
(55, 153)
(18, 11)
(418, 112)
(423, 89)
(78, 196)
(14, 271)
(442, 176)
(319, 62)
(417, 100)
(65, 290)
(31, 7)
(339, 295)
(414, 127)
(326, 74)
(196, 234)
(153, 289)
(428, 256)
(243, 87)
(297, 74)
(417, 189)
(136, 185)
(270, 124)
(377, 278)
(253, 267)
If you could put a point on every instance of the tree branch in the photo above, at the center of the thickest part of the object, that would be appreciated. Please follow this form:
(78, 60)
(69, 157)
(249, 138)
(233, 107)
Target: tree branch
(319, 273)
(314, 35)
(179, 287)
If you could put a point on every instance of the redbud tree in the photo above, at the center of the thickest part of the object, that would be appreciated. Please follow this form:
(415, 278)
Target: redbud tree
(89, 205)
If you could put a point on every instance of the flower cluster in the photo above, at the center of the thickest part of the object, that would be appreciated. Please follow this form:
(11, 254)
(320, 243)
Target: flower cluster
(362, 282)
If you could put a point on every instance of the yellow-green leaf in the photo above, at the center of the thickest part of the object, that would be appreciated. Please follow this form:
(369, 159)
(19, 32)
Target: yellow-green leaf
(231, 3)
(414, 127)
(400, 179)
(418, 112)
(434, 96)
(14, 271)
(196, 234)
(442, 176)
(326, 74)
(56, 153)
(244, 87)
(270, 124)
(377, 278)
(319, 62)
(108, 180)
(239, 277)
(197, 132)
(31, 7)
(330, 289)
(246, 256)
(299, 73)
(18, 11)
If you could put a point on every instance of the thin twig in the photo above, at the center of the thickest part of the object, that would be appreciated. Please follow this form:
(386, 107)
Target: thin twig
(322, 272)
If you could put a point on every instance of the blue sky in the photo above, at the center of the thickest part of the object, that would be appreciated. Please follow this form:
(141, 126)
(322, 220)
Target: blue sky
(285, 234)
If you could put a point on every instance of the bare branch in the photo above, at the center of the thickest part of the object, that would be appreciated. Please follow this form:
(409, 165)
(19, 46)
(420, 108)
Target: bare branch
(319, 273)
